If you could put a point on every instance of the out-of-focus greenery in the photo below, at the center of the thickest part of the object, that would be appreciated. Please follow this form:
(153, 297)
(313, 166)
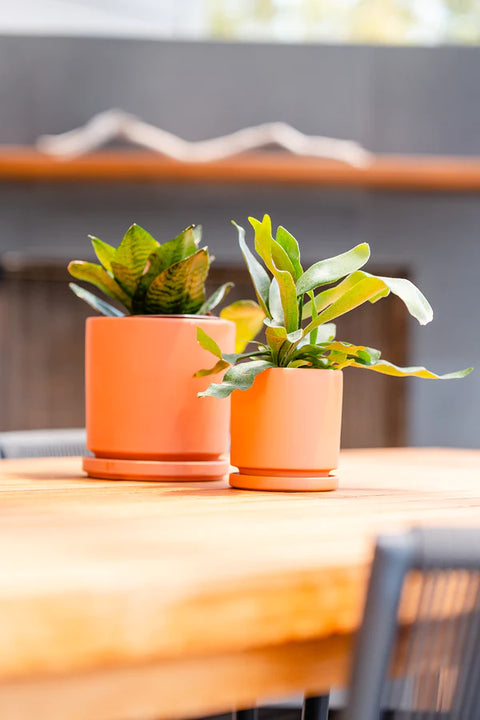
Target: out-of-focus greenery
(353, 21)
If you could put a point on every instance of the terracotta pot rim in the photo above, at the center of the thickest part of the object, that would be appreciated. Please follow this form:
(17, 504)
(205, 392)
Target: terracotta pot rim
(297, 370)
(158, 317)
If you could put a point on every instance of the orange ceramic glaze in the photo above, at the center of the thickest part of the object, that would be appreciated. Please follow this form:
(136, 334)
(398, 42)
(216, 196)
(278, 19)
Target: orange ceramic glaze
(141, 395)
(286, 430)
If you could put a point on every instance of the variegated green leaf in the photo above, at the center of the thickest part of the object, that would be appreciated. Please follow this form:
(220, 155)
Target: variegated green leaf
(98, 276)
(153, 268)
(332, 269)
(215, 298)
(259, 276)
(135, 248)
(180, 288)
(104, 252)
(162, 257)
(126, 278)
(387, 368)
(95, 302)
(238, 377)
(178, 249)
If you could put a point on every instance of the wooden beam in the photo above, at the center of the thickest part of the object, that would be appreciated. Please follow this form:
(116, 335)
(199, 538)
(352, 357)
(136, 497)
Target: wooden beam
(388, 172)
(182, 688)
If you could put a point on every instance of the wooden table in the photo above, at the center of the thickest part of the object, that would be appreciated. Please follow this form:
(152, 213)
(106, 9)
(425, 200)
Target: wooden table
(141, 600)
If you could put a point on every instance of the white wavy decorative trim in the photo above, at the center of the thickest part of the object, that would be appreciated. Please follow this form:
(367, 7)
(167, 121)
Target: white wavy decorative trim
(116, 125)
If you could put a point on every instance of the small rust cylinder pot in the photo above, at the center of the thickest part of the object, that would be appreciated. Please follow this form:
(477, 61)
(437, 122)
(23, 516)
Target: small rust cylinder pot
(143, 417)
(286, 430)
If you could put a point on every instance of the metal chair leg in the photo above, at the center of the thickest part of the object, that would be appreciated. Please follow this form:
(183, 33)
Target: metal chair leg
(250, 714)
(315, 708)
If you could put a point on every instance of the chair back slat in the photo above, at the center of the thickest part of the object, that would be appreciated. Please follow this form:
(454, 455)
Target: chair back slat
(43, 443)
(418, 650)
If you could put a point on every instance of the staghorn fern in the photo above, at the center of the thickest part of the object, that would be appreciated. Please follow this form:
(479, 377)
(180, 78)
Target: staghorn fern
(148, 278)
(297, 310)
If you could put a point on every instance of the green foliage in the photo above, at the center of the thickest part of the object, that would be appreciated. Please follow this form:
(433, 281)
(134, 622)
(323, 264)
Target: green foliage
(148, 278)
(298, 311)
(248, 318)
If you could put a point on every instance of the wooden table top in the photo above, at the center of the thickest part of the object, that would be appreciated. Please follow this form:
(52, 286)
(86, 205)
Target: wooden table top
(100, 574)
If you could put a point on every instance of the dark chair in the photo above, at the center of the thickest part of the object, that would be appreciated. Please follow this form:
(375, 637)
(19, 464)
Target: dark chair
(417, 654)
(438, 667)
(43, 443)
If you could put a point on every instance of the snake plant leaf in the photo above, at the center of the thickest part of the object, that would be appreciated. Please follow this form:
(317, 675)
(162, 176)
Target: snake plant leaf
(197, 233)
(126, 278)
(334, 268)
(98, 276)
(290, 245)
(248, 317)
(95, 302)
(238, 377)
(153, 268)
(104, 252)
(180, 288)
(160, 259)
(387, 368)
(415, 301)
(135, 248)
(259, 276)
(357, 295)
(178, 249)
(215, 298)
(264, 245)
(208, 343)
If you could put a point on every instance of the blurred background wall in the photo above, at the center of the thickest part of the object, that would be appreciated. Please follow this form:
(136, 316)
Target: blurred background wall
(391, 99)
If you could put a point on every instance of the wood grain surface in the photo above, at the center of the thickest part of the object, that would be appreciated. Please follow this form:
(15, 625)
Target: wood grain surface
(395, 172)
(157, 583)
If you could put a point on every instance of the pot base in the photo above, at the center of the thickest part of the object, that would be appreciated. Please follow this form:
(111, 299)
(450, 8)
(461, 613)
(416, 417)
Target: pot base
(285, 483)
(160, 470)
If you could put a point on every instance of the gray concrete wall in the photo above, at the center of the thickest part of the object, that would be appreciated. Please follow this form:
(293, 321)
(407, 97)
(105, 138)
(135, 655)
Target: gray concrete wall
(390, 99)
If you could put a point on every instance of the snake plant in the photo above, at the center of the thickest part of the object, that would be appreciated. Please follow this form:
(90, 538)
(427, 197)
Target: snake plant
(148, 278)
(297, 307)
